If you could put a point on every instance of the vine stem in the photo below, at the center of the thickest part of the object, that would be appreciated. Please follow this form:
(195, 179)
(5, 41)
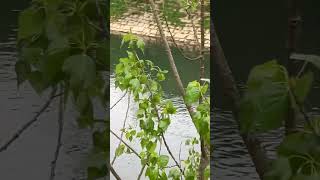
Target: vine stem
(29, 123)
(123, 126)
(59, 143)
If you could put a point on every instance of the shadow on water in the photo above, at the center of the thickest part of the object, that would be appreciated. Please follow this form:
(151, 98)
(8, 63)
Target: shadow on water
(253, 32)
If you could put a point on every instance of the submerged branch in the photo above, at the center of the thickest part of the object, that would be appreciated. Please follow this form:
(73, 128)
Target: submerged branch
(29, 123)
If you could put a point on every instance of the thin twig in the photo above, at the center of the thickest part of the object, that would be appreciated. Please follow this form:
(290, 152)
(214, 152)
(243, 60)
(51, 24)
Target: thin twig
(175, 44)
(119, 100)
(29, 123)
(180, 153)
(141, 172)
(123, 126)
(169, 151)
(114, 173)
(126, 144)
(59, 143)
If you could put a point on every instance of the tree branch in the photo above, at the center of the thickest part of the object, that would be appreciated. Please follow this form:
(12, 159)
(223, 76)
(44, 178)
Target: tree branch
(114, 173)
(119, 100)
(126, 144)
(141, 172)
(29, 123)
(123, 126)
(169, 151)
(59, 143)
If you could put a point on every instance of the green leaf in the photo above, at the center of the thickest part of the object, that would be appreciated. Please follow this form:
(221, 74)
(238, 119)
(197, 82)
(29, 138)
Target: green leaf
(30, 23)
(164, 124)
(96, 173)
(82, 70)
(281, 170)
(174, 173)
(163, 161)
(303, 86)
(100, 140)
(160, 76)
(36, 80)
(264, 105)
(31, 55)
(169, 108)
(135, 84)
(51, 66)
(140, 44)
(192, 92)
(120, 150)
(152, 173)
(151, 146)
(22, 69)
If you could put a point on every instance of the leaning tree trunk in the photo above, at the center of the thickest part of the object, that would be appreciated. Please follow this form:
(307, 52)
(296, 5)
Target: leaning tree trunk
(204, 149)
(257, 153)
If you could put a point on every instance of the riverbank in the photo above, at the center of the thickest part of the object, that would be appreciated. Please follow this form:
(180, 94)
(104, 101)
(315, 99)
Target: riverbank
(143, 25)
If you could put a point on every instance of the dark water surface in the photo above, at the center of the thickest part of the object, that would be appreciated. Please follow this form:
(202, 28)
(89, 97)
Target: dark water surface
(30, 156)
(253, 32)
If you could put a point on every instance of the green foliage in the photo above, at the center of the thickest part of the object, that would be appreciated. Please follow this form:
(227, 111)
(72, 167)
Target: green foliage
(193, 160)
(265, 107)
(63, 43)
(265, 102)
(172, 10)
(142, 79)
(298, 158)
(201, 116)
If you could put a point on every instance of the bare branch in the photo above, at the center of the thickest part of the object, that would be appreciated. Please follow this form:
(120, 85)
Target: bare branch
(114, 173)
(119, 100)
(126, 144)
(141, 172)
(29, 123)
(176, 45)
(59, 143)
(123, 126)
(169, 151)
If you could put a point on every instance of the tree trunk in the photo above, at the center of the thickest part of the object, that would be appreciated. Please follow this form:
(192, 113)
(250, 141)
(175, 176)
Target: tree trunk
(294, 22)
(257, 153)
